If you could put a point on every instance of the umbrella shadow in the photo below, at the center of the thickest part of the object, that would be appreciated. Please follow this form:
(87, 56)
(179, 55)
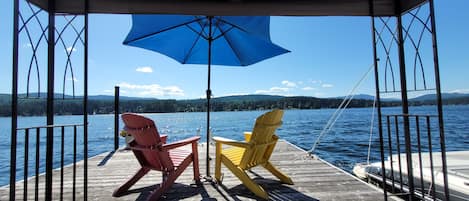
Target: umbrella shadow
(276, 190)
(180, 191)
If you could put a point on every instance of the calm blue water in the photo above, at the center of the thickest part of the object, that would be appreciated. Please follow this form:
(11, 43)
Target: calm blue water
(345, 145)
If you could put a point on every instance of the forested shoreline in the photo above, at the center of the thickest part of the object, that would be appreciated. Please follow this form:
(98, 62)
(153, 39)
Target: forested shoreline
(37, 106)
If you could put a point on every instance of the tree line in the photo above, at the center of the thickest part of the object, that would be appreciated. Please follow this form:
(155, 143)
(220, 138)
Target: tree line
(37, 107)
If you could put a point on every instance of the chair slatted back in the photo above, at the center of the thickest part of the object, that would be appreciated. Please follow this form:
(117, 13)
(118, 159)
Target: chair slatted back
(263, 139)
(146, 136)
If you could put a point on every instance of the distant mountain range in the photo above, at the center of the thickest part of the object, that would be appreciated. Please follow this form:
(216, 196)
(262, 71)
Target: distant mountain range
(426, 97)
(444, 96)
(248, 98)
(358, 96)
(240, 98)
(35, 104)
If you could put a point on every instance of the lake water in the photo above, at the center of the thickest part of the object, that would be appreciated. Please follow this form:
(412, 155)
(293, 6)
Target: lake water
(345, 145)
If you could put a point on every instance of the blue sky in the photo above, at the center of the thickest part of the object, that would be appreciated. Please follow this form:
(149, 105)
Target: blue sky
(328, 57)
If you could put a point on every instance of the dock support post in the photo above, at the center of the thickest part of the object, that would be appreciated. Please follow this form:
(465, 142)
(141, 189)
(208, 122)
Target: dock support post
(85, 106)
(378, 97)
(14, 100)
(405, 103)
(116, 117)
(50, 99)
(439, 99)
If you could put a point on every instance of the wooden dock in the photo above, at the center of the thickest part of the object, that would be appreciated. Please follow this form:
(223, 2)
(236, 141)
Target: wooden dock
(314, 180)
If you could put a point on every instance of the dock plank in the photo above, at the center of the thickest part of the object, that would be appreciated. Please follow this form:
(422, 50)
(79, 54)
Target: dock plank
(314, 180)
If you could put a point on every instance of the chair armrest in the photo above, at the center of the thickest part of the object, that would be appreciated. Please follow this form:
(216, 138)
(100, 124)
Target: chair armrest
(231, 142)
(164, 138)
(181, 143)
(247, 136)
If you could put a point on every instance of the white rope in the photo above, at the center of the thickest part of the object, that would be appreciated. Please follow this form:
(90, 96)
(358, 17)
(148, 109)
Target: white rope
(371, 130)
(343, 105)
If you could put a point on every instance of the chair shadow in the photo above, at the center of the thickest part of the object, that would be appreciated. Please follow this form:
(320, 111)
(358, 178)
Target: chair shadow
(277, 190)
(178, 191)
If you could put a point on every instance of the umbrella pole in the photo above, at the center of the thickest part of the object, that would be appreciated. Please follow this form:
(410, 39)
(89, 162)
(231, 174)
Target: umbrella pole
(209, 94)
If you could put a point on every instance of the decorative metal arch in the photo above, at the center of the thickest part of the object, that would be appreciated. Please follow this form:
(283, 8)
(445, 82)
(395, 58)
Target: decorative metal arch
(393, 50)
(69, 47)
(401, 41)
(45, 33)
(24, 28)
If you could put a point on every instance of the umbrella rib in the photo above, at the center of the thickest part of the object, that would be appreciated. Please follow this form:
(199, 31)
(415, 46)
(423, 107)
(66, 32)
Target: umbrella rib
(231, 24)
(192, 47)
(154, 33)
(234, 50)
(223, 32)
(198, 33)
(202, 27)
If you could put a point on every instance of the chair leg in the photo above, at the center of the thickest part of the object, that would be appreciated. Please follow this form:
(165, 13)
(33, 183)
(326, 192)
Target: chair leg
(276, 172)
(218, 162)
(124, 187)
(195, 163)
(170, 179)
(247, 181)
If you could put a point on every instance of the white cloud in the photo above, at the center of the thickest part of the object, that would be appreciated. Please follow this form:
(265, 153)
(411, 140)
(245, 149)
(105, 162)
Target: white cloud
(109, 91)
(273, 90)
(418, 93)
(316, 81)
(152, 89)
(319, 94)
(308, 88)
(74, 79)
(234, 94)
(71, 49)
(144, 69)
(327, 85)
(288, 83)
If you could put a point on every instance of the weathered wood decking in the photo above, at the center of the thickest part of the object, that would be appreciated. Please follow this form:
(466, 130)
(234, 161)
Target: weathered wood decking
(314, 180)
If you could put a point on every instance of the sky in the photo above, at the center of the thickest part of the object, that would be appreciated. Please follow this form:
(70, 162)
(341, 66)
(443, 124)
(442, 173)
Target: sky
(329, 55)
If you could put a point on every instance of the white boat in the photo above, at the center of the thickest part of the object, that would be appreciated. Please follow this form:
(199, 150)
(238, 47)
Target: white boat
(457, 167)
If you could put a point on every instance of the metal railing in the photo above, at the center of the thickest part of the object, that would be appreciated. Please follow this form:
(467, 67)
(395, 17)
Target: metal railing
(419, 151)
(32, 135)
(395, 40)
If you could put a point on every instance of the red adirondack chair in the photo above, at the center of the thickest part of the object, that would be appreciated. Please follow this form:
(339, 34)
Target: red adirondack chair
(153, 153)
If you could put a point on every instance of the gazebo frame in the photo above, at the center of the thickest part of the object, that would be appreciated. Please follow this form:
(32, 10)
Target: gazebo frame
(388, 18)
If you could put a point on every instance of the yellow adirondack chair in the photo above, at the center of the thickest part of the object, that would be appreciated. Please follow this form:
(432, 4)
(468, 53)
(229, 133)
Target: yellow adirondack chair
(255, 150)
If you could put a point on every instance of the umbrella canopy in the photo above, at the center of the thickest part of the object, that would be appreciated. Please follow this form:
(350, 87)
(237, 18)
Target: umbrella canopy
(234, 41)
(237, 40)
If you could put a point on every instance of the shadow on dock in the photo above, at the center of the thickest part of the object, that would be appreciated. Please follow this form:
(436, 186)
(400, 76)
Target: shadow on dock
(106, 158)
(313, 178)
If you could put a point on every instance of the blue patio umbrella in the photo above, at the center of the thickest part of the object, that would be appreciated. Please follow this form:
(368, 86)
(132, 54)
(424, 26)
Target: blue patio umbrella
(218, 40)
